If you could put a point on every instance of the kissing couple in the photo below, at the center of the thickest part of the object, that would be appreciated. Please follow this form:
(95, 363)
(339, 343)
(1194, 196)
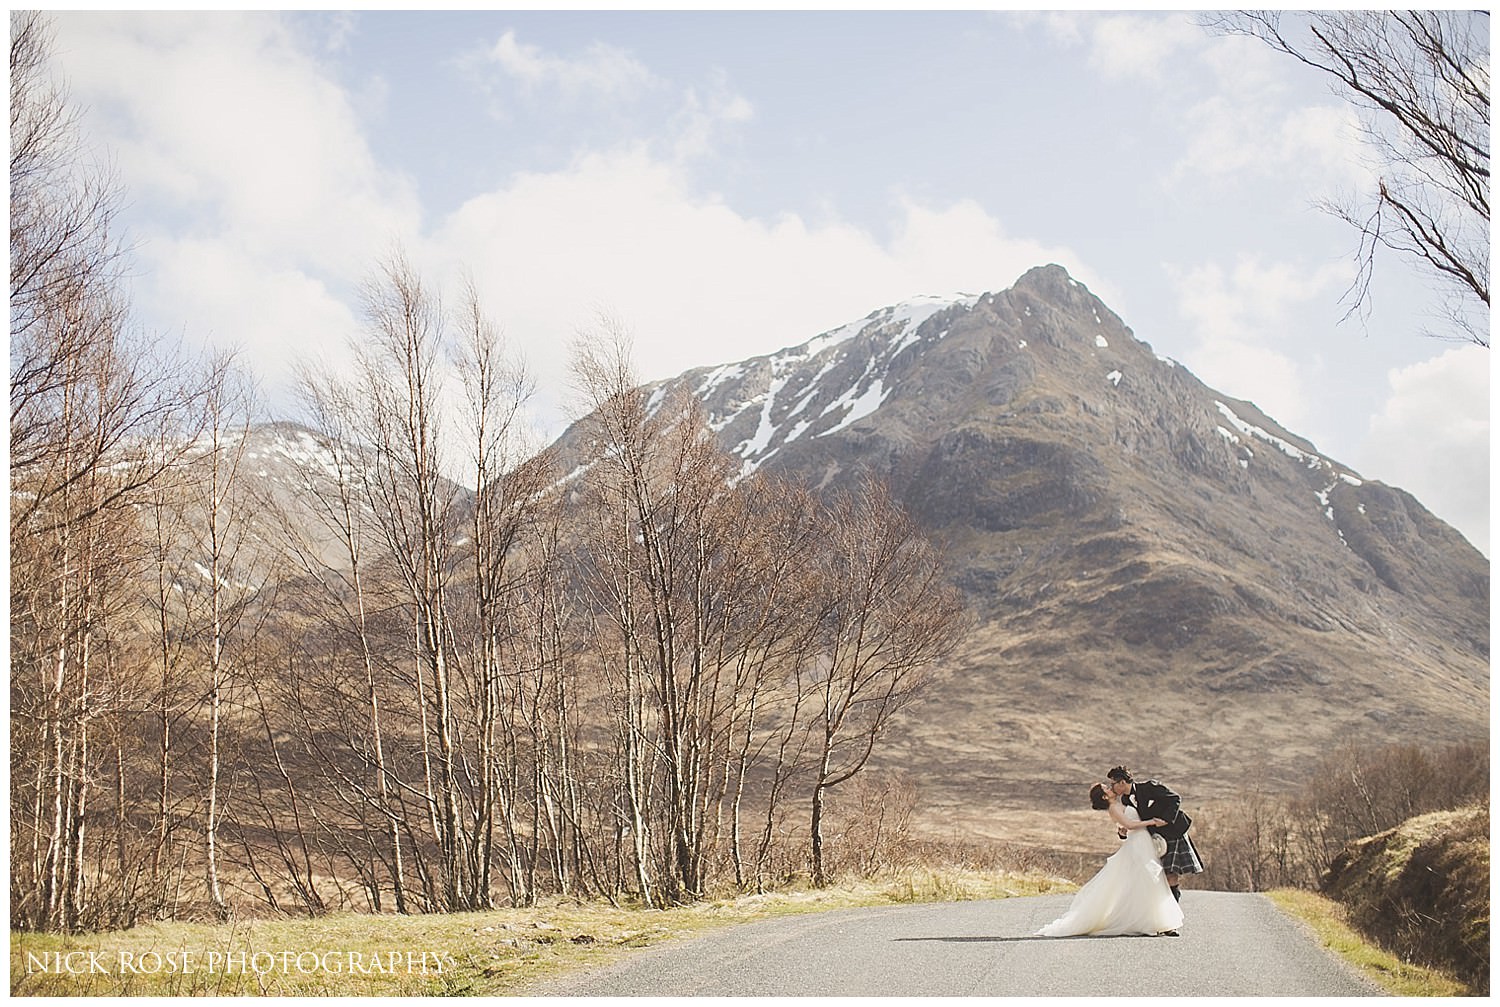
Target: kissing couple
(1135, 892)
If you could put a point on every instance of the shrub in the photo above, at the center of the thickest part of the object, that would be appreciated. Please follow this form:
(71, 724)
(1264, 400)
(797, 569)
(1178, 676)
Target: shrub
(1264, 841)
(1421, 890)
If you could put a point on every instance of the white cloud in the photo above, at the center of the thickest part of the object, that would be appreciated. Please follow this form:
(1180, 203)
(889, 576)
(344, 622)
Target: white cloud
(602, 70)
(338, 27)
(700, 121)
(226, 120)
(228, 115)
(254, 201)
(1239, 315)
(1258, 374)
(687, 122)
(697, 282)
(1122, 46)
(274, 317)
(1246, 66)
(1157, 48)
(266, 206)
(1239, 118)
(1232, 137)
(1251, 124)
(1432, 438)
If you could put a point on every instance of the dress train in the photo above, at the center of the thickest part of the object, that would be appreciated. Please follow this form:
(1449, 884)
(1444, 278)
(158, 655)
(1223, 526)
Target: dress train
(1129, 895)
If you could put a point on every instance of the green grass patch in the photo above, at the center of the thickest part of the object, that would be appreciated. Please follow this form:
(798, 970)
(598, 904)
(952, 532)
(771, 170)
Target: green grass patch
(1329, 921)
(455, 954)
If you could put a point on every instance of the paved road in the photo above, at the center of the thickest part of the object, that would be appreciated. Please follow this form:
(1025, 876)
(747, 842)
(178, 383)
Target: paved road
(1232, 945)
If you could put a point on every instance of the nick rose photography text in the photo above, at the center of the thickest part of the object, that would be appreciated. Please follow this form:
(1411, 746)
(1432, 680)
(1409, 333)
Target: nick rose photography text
(238, 962)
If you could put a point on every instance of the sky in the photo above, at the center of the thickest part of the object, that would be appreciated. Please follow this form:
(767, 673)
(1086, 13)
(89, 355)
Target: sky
(724, 185)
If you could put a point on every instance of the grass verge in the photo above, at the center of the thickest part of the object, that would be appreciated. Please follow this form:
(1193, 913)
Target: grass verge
(455, 954)
(1329, 921)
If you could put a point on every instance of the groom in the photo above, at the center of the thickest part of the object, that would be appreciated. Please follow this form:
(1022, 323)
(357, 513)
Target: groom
(1154, 800)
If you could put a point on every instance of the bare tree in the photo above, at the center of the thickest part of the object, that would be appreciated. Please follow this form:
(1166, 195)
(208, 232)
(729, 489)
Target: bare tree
(61, 210)
(173, 703)
(509, 478)
(231, 585)
(98, 414)
(1422, 80)
(886, 616)
(454, 558)
(68, 317)
(661, 500)
(338, 506)
(737, 616)
(620, 429)
(402, 384)
(1354, 791)
(773, 638)
(563, 814)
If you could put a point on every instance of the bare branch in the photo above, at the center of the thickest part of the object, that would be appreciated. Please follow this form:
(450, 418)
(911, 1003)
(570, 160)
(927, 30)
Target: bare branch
(1422, 79)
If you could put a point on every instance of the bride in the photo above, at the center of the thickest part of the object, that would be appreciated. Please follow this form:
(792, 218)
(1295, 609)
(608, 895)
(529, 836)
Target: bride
(1129, 895)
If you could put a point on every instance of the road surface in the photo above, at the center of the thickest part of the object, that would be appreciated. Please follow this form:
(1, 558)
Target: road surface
(1232, 945)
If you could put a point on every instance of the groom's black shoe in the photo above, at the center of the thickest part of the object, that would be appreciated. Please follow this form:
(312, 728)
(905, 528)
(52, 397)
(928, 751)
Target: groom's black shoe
(1170, 933)
(1176, 893)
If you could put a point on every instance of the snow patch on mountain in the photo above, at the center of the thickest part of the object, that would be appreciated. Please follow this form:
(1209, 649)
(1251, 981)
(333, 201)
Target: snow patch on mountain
(814, 386)
(782, 403)
(306, 451)
(716, 377)
(767, 428)
(1312, 461)
(866, 403)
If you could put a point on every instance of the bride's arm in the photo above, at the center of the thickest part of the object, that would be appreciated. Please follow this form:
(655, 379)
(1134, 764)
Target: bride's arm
(1118, 815)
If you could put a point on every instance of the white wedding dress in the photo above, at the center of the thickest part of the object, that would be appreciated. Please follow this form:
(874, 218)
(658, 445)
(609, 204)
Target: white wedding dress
(1129, 895)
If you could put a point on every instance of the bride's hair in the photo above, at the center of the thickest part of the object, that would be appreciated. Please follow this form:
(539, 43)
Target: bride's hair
(1097, 798)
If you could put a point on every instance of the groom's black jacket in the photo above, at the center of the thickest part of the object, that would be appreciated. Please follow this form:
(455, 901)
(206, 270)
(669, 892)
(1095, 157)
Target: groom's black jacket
(1154, 800)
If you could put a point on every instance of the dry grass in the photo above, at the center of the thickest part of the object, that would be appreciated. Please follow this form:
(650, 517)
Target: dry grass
(1330, 923)
(457, 954)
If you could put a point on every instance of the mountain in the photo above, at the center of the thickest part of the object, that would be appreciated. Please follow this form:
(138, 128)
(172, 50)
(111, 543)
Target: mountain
(1160, 574)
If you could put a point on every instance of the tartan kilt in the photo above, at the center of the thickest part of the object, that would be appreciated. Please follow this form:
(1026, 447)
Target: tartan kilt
(1181, 857)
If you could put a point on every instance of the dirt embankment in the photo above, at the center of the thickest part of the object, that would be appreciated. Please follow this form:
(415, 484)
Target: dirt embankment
(1422, 891)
